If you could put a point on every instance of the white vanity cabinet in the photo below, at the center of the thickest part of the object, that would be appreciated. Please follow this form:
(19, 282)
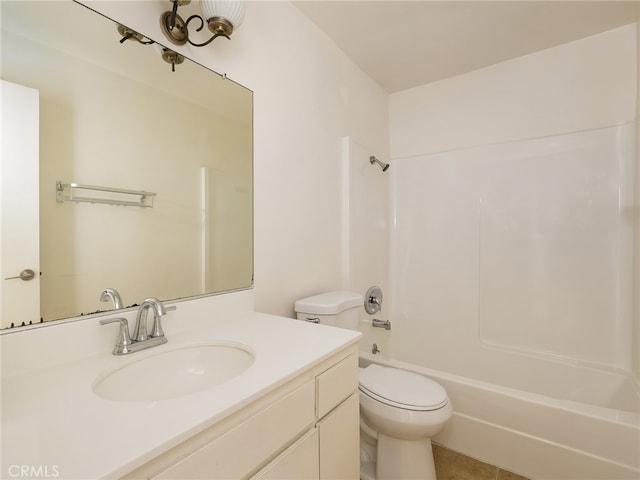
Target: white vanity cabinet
(340, 441)
(307, 428)
(298, 462)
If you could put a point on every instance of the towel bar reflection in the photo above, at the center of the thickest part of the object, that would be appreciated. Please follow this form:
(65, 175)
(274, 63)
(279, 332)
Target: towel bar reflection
(112, 196)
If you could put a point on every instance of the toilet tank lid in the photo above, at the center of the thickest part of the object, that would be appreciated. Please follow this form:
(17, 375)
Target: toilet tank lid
(328, 303)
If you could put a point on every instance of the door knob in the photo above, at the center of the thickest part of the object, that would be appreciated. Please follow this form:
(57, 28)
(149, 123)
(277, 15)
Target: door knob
(26, 275)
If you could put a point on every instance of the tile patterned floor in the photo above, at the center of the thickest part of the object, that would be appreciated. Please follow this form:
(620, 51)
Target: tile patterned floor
(451, 465)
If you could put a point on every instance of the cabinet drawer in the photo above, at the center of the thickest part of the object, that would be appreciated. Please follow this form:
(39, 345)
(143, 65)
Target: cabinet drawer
(336, 384)
(298, 462)
(241, 451)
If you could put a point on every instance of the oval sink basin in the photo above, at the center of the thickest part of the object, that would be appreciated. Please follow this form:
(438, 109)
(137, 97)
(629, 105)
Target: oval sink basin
(174, 373)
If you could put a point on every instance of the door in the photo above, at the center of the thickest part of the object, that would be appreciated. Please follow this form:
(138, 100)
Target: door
(19, 206)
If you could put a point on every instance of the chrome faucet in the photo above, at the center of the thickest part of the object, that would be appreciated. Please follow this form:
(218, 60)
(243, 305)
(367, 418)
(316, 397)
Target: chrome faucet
(140, 331)
(112, 294)
(141, 339)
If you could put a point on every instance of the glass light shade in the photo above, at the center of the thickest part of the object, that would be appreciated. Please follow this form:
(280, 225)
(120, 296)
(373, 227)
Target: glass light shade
(232, 10)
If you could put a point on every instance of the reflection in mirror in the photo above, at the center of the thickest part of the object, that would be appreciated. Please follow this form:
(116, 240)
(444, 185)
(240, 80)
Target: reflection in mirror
(115, 116)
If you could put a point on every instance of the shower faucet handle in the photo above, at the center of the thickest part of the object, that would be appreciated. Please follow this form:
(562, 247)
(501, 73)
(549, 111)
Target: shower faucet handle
(373, 300)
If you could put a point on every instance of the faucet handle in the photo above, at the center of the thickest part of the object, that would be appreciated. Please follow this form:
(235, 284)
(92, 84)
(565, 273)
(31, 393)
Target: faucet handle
(373, 300)
(156, 329)
(123, 341)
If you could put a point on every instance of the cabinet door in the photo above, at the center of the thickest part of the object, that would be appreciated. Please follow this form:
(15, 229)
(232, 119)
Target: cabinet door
(299, 462)
(251, 444)
(340, 442)
(336, 384)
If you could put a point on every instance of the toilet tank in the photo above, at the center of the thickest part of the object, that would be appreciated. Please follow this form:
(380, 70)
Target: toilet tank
(338, 309)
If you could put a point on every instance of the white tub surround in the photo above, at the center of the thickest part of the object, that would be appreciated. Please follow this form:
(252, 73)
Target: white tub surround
(512, 251)
(52, 419)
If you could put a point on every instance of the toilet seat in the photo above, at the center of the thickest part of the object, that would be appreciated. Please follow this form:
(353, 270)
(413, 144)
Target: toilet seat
(401, 389)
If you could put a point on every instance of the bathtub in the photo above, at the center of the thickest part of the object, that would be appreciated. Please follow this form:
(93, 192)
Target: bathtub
(583, 425)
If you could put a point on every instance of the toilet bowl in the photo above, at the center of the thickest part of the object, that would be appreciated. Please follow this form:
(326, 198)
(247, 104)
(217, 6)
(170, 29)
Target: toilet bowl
(402, 410)
(399, 411)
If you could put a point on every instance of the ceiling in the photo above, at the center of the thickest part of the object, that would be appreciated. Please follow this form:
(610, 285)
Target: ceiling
(403, 44)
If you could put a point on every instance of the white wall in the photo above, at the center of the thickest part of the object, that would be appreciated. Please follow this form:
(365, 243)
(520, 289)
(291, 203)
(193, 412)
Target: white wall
(308, 96)
(581, 85)
(530, 185)
(368, 228)
(368, 213)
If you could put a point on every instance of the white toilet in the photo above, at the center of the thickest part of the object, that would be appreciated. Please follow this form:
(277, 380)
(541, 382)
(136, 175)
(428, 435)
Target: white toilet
(399, 410)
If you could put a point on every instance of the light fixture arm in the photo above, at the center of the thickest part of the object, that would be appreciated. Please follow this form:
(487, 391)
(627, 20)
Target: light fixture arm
(218, 33)
(133, 37)
(168, 55)
(174, 15)
(176, 29)
(128, 34)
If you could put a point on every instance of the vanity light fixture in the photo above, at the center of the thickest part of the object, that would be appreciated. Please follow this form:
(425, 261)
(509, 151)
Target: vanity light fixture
(128, 34)
(221, 16)
(168, 55)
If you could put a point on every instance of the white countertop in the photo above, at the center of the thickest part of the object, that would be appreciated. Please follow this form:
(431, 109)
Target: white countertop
(52, 420)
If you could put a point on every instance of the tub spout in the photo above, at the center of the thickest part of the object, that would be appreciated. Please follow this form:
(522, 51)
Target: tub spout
(386, 324)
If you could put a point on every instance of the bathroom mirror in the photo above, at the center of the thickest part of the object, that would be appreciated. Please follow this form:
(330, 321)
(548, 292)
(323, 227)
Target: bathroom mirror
(115, 116)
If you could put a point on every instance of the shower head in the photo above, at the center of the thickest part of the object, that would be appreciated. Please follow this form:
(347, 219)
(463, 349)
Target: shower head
(384, 166)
